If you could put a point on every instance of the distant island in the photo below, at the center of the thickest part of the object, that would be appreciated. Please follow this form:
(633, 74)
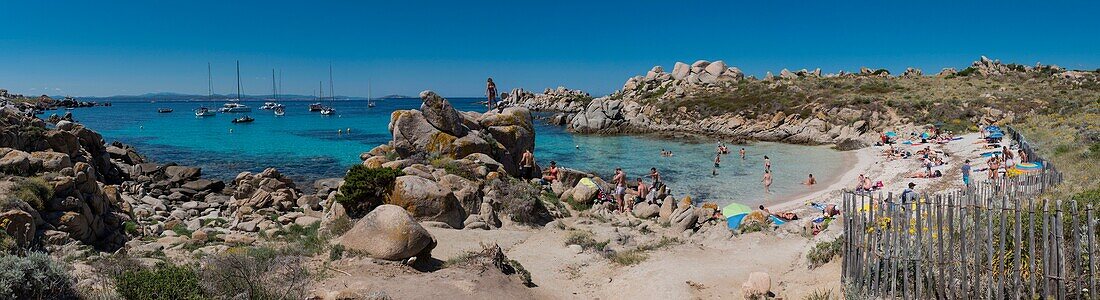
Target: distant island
(395, 96)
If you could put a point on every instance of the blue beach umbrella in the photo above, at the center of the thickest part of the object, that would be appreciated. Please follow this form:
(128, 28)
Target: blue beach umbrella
(996, 135)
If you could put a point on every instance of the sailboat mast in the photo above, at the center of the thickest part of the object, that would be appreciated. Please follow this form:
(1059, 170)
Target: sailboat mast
(274, 92)
(209, 84)
(238, 80)
(332, 93)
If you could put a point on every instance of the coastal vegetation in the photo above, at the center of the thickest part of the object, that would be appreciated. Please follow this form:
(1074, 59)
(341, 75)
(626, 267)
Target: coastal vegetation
(366, 188)
(34, 276)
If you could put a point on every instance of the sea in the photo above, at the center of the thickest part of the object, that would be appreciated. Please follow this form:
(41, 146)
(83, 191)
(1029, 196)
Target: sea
(307, 146)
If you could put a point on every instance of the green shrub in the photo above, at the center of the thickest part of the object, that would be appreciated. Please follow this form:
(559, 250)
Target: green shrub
(628, 257)
(521, 201)
(824, 252)
(340, 225)
(35, 276)
(822, 294)
(966, 72)
(247, 276)
(35, 191)
(336, 252)
(366, 188)
(302, 240)
(585, 240)
(166, 281)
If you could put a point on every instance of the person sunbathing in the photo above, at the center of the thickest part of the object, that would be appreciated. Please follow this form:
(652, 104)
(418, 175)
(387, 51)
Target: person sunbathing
(923, 174)
(783, 216)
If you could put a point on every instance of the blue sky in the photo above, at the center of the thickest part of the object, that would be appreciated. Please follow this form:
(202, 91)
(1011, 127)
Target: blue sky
(92, 48)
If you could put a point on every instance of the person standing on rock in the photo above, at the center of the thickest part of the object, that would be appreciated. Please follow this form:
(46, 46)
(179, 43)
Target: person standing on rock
(491, 92)
(620, 188)
(528, 164)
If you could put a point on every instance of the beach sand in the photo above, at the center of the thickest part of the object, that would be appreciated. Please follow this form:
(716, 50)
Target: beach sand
(707, 265)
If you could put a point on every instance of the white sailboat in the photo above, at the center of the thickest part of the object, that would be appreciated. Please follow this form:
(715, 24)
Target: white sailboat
(370, 101)
(328, 110)
(246, 118)
(233, 106)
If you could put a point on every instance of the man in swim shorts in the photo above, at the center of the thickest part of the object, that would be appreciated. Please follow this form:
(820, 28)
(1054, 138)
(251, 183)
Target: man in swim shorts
(620, 188)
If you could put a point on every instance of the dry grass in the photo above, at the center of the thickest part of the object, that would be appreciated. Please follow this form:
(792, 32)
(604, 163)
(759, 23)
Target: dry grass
(1072, 143)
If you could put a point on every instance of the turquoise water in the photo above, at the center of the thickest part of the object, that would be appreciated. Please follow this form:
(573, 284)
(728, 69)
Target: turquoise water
(306, 146)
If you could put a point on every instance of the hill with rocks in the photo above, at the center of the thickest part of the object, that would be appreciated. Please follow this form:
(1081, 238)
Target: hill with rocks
(808, 107)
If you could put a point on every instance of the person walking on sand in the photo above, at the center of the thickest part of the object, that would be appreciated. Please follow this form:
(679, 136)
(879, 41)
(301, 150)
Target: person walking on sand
(620, 188)
(491, 92)
(767, 181)
(966, 173)
(742, 153)
(528, 164)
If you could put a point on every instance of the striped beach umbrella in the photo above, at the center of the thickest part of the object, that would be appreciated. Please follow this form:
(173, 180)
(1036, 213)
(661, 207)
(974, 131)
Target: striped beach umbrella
(1029, 166)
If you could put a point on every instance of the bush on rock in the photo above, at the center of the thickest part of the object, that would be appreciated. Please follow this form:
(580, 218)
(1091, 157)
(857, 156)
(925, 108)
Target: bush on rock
(366, 188)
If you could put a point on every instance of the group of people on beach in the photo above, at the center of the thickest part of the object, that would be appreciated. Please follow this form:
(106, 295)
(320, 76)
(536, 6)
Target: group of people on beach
(642, 191)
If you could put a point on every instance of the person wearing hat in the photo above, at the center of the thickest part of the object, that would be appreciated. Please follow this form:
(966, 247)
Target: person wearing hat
(909, 195)
(966, 173)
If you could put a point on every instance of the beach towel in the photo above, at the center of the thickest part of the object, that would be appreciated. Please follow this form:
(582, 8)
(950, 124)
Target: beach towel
(777, 221)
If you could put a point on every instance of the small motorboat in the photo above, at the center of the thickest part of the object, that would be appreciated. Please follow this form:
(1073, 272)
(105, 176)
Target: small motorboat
(204, 112)
(280, 111)
(164, 110)
(244, 119)
(316, 107)
(328, 111)
(268, 105)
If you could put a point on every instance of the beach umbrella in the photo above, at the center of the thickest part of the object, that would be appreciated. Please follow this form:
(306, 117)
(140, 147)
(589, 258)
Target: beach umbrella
(1029, 166)
(924, 135)
(891, 134)
(734, 213)
(996, 135)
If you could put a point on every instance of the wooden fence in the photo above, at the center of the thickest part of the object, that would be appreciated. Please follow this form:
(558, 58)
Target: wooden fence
(993, 240)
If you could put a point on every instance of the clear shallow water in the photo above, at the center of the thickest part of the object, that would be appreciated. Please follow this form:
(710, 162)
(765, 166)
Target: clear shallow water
(306, 146)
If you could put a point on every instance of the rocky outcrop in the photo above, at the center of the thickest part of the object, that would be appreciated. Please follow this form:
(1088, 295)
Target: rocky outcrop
(389, 232)
(560, 99)
(440, 130)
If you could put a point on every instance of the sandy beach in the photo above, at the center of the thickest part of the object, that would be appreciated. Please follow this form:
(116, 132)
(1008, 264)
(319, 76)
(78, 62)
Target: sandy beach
(706, 265)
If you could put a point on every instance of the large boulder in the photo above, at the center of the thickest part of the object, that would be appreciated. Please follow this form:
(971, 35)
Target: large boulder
(389, 232)
(19, 225)
(440, 114)
(426, 200)
(182, 173)
(412, 133)
(680, 70)
(758, 286)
